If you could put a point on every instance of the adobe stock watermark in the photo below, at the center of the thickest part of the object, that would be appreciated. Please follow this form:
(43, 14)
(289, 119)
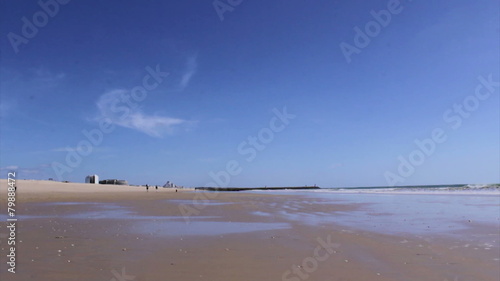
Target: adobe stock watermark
(454, 118)
(11, 221)
(249, 149)
(121, 277)
(310, 264)
(363, 37)
(124, 103)
(30, 27)
(223, 6)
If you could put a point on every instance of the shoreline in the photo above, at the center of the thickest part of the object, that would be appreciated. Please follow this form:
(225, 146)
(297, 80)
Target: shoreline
(223, 189)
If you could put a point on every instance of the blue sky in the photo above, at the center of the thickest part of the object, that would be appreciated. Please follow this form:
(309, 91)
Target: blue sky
(223, 76)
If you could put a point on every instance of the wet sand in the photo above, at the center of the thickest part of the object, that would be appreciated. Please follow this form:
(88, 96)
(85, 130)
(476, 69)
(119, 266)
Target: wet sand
(94, 232)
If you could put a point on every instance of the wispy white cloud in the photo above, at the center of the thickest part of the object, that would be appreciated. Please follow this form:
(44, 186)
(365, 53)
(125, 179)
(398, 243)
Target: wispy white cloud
(110, 106)
(25, 173)
(191, 67)
(9, 168)
(152, 125)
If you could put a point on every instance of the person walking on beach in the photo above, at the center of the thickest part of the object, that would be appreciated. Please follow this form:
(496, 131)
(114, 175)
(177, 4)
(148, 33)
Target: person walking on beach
(147, 188)
(156, 187)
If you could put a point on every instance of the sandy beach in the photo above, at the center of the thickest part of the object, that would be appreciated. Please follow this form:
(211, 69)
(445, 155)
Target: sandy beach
(73, 231)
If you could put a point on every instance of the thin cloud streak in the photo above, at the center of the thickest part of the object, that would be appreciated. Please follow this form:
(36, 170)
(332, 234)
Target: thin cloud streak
(111, 108)
(38, 171)
(191, 68)
(9, 168)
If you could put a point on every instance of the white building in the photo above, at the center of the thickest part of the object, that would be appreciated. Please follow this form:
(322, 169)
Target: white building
(92, 179)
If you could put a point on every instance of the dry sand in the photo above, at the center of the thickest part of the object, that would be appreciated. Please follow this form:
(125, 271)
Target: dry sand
(125, 233)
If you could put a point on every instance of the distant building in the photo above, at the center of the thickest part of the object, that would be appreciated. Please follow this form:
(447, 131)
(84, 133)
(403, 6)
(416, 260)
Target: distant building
(92, 179)
(114, 181)
(170, 184)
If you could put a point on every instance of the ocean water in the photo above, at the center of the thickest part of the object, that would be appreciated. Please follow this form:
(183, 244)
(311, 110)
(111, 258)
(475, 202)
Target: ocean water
(414, 210)
(419, 188)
